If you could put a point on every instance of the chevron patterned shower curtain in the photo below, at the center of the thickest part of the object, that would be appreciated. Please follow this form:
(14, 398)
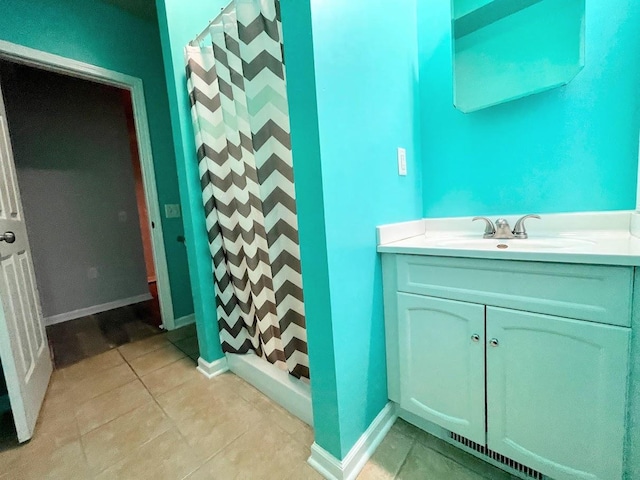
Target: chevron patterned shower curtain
(237, 89)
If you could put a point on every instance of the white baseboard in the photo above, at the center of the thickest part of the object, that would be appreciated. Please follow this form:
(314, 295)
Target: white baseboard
(349, 468)
(184, 321)
(212, 369)
(290, 393)
(83, 312)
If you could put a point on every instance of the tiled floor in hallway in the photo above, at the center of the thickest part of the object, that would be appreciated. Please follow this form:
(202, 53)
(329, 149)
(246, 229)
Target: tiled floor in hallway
(142, 411)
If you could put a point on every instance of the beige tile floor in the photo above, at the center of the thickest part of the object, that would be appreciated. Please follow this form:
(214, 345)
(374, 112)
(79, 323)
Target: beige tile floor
(143, 412)
(408, 453)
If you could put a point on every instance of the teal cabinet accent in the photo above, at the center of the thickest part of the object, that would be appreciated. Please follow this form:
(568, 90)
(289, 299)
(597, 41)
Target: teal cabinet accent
(554, 386)
(442, 363)
(556, 391)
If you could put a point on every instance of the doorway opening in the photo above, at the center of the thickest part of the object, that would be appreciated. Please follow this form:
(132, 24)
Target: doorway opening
(24, 353)
(78, 165)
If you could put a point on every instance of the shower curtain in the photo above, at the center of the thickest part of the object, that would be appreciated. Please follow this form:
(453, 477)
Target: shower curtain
(237, 89)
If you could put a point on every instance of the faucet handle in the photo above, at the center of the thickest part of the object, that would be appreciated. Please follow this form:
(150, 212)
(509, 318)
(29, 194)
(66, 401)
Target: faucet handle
(489, 229)
(519, 231)
(502, 223)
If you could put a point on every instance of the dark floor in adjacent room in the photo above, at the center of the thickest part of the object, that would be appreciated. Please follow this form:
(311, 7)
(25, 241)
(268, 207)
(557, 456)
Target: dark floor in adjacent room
(85, 337)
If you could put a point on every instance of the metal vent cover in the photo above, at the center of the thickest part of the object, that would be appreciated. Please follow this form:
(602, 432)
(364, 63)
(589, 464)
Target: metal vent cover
(495, 456)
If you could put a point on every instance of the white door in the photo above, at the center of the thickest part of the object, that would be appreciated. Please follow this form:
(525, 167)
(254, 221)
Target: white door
(23, 342)
(442, 363)
(556, 393)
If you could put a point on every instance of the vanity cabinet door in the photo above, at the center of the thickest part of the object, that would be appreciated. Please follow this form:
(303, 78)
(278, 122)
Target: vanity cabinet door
(442, 363)
(556, 392)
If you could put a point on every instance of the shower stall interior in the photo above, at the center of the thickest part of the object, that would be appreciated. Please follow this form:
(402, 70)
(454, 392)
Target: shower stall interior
(236, 79)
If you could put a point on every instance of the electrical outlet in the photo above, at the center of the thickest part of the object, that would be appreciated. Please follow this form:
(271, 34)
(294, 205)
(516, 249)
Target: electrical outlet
(172, 210)
(402, 162)
(122, 216)
(92, 273)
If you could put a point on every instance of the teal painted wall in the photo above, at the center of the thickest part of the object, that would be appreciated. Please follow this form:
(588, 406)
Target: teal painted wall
(305, 141)
(180, 23)
(366, 81)
(103, 35)
(574, 148)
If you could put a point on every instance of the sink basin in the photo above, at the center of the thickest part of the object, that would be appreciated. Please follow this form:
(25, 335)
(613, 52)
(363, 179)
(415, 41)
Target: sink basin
(551, 243)
(604, 238)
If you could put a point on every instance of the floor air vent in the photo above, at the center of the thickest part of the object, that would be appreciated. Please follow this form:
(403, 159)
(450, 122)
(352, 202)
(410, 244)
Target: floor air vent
(486, 452)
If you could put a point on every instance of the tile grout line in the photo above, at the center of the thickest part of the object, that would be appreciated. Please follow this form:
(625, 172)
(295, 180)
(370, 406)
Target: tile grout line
(265, 416)
(460, 462)
(158, 347)
(84, 453)
(113, 419)
(106, 393)
(93, 372)
(237, 438)
(81, 435)
(70, 384)
(206, 460)
(152, 351)
(169, 419)
(414, 440)
(174, 343)
(172, 422)
(139, 379)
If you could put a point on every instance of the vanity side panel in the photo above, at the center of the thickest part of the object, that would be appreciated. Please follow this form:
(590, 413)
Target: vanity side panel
(632, 450)
(595, 293)
(390, 291)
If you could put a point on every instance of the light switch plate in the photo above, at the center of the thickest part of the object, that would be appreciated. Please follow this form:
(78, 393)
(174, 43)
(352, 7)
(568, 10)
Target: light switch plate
(172, 210)
(402, 162)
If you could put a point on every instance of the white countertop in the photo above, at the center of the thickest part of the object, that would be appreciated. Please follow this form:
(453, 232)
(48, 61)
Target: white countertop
(602, 238)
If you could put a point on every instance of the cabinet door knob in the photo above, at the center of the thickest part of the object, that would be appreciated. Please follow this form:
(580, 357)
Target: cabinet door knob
(494, 342)
(475, 337)
(8, 237)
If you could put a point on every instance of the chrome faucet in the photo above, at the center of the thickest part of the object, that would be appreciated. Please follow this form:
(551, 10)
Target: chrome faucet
(502, 230)
(519, 231)
(489, 228)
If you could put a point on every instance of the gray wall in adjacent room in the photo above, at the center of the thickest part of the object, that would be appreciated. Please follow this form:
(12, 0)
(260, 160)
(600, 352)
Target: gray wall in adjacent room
(73, 159)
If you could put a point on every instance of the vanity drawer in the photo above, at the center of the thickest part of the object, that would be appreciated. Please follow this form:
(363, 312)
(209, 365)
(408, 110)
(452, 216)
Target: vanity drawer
(589, 292)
